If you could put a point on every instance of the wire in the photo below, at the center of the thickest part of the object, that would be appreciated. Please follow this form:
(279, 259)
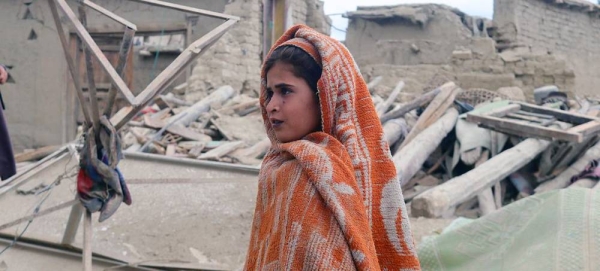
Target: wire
(158, 48)
(67, 174)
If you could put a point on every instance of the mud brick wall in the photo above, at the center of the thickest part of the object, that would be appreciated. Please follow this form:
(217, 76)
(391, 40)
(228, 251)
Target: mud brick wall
(236, 58)
(566, 30)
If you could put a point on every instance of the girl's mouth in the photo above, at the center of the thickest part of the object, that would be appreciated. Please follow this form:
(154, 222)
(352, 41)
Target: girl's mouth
(276, 123)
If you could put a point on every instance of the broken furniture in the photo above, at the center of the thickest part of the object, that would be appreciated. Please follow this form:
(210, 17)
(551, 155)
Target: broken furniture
(522, 119)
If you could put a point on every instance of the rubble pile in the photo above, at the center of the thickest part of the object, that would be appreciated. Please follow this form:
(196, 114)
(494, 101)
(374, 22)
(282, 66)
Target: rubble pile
(458, 153)
(224, 126)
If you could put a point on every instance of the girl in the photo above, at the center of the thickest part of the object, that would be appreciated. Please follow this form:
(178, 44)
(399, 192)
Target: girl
(329, 197)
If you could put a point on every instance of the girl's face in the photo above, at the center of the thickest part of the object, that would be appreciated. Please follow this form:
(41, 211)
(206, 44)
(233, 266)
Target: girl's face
(292, 107)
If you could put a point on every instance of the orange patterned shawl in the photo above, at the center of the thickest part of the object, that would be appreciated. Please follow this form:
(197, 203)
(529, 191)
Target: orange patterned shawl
(331, 201)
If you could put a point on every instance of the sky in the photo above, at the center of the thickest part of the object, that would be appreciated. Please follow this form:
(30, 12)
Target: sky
(482, 8)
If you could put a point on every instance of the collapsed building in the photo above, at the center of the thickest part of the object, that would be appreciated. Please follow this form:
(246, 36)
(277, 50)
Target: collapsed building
(41, 105)
(529, 44)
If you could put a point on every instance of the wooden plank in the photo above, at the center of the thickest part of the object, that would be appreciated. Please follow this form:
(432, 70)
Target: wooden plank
(573, 118)
(412, 105)
(39, 214)
(487, 204)
(542, 116)
(434, 111)
(587, 129)
(438, 200)
(70, 63)
(410, 159)
(388, 102)
(188, 9)
(503, 111)
(171, 149)
(87, 241)
(523, 128)
(72, 224)
(124, 53)
(394, 130)
(36, 154)
(371, 85)
(221, 150)
(94, 111)
(219, 96)
(89, 42)
(110, 14)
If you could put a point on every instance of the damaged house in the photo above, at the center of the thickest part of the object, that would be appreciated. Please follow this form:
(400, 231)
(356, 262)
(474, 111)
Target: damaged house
(529, 44)
(41, 105)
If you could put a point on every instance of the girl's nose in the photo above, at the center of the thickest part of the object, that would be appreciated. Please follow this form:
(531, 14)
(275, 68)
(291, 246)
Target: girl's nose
(273, 104)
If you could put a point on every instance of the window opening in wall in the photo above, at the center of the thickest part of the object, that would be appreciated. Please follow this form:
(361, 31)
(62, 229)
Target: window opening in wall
(148, 45)
(32, 35)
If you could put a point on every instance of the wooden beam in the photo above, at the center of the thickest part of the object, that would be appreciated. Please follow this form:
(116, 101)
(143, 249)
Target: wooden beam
(36, 154)
(412, 105)
(72, 224)
(410, 159)
(586, 129)
(434, 111)
(523, 129)
(436, 201)
(38, 214)
(124, 51)
(383, 107)
(89, 42)
(87, 241)
(110, 14)
(218, 96)
(95, 112)
(503, 111)
(70, 63)
(371, 85)
(188, 9)
(573, 118)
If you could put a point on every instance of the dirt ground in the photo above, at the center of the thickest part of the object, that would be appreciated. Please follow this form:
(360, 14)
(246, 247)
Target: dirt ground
(202, 218)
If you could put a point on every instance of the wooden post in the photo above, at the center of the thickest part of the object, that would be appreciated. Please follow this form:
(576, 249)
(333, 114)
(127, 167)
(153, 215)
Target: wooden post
(72, 69)
(126, 45)
(388, 102)
(436, 201)
(410, 159)
(486, 201)
(394, 130)
(95, 112)
(87, 241)
(73, 224)
(219, 96)
(434, 111)
(371, 85)
(414, 104)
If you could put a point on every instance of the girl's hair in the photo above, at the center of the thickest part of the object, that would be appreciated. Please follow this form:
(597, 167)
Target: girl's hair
(304, 65)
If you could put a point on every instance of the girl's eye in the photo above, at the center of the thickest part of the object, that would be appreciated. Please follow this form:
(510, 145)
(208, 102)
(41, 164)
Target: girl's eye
(269, 95)
(285, 91)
